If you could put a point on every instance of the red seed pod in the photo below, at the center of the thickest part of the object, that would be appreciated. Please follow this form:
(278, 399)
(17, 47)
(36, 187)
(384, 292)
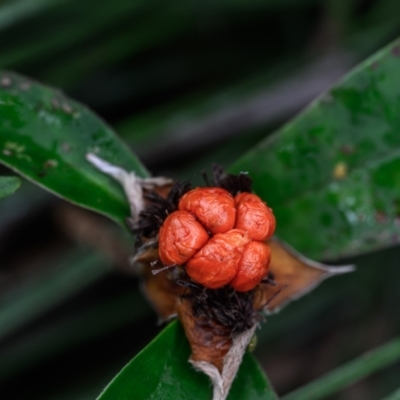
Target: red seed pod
(217, 262)
(214, 208)
(254, 217)
(253, 266)
(180, 237)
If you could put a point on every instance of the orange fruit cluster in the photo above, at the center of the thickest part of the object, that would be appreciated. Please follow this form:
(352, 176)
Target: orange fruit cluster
(219, 238)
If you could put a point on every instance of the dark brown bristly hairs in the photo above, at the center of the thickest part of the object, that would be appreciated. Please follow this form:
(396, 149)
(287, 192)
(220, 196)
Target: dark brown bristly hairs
(225, 305)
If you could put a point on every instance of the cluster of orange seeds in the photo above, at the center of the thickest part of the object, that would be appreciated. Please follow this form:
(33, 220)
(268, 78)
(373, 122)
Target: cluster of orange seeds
(218, 238)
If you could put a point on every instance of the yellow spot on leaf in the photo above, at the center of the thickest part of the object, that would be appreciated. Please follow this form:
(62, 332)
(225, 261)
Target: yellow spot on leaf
(340, 171)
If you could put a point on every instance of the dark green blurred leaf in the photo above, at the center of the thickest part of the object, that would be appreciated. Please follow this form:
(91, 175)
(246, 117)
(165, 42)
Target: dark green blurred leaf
(374, 28)
(27, 200)
(45, 136)
(8, 185)
(117, 46)
(45, 292)
(89, 323)
(394, 396)
(161, 371)
(15, 11)
(46, 41)
(333, 174)
(349, 373)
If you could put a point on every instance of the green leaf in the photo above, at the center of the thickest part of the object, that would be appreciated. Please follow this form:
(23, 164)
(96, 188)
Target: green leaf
(161, 371)
(45, 136)
(349, 373)
(333, 173)
(8, 185)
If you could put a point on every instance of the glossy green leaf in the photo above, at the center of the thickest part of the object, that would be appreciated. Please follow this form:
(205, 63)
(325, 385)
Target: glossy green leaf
(161, 371)
(332, 175)
(45, 136)
(8, 185)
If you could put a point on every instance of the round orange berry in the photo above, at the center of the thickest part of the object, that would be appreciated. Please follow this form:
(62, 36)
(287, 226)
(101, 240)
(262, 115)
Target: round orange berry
(254, 217)
(217, 262)
(253, 266)
(213, 207)
(180, 237)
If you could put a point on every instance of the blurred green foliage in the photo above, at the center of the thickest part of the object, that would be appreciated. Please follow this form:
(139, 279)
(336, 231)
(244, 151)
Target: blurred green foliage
(186, 83)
